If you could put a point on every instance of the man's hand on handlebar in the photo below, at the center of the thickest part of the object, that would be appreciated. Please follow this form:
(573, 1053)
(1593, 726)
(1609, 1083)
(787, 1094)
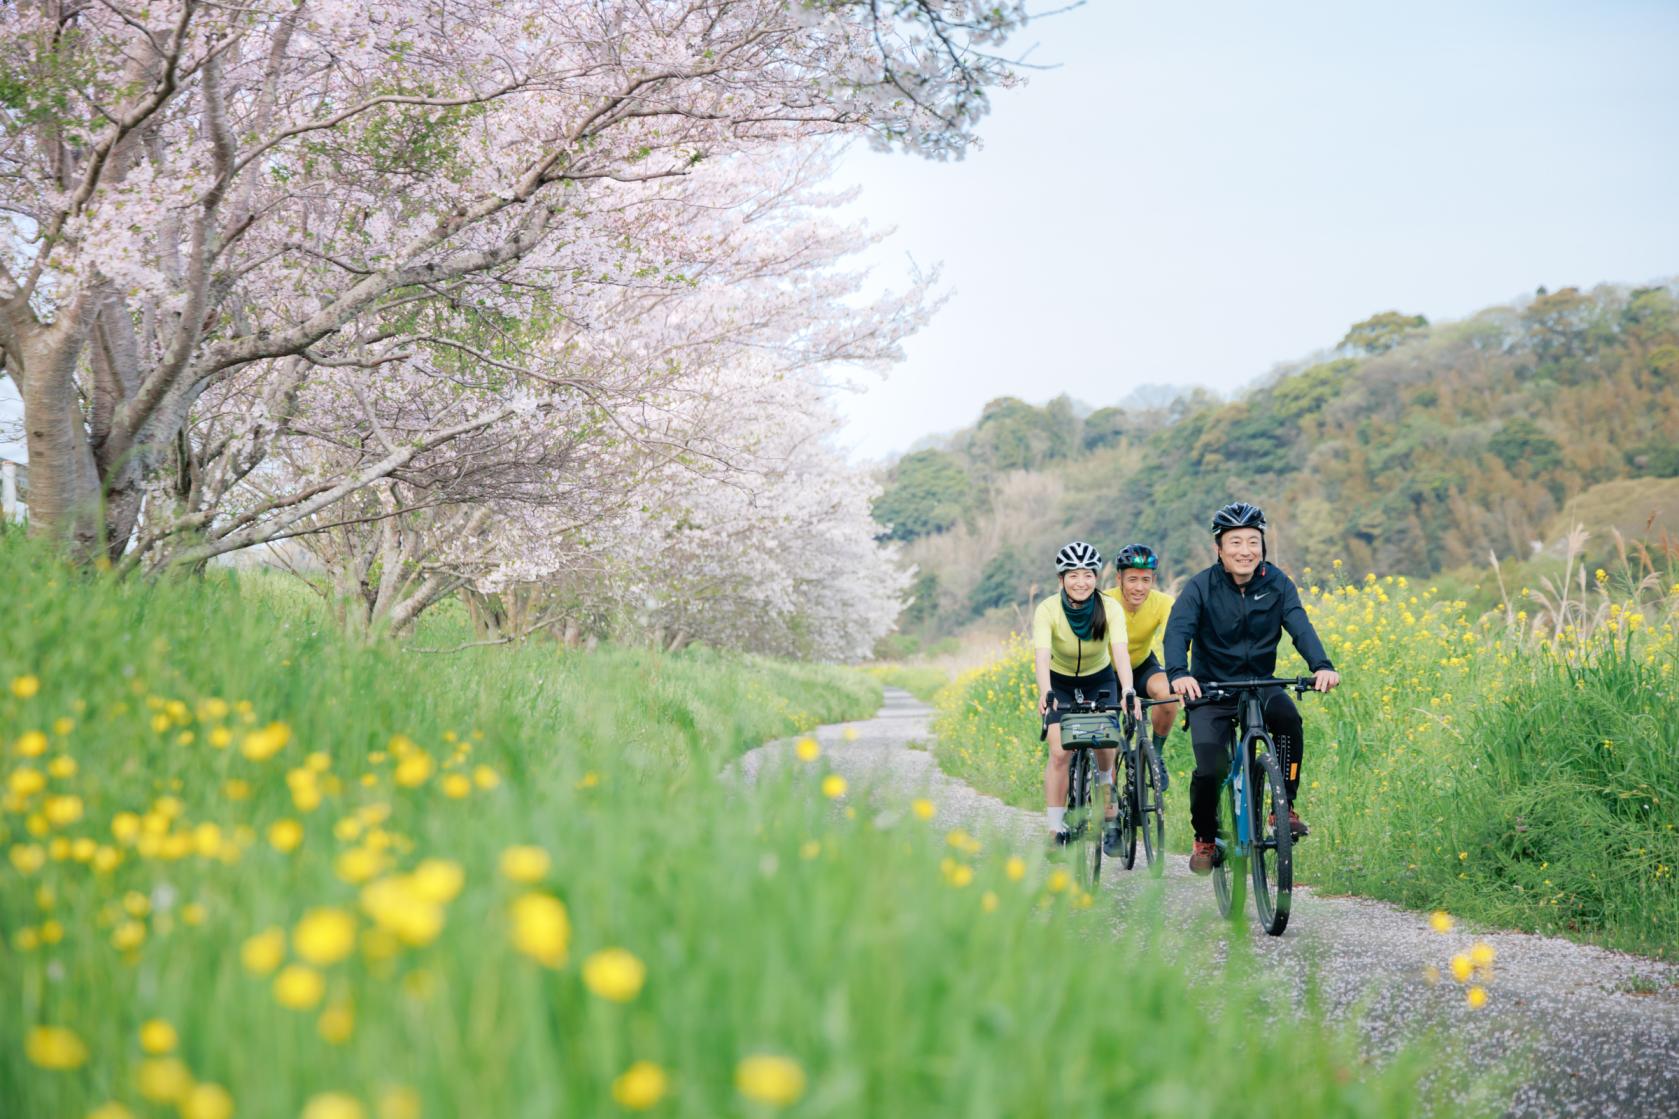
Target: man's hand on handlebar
(1187, 687)
(1324, 679)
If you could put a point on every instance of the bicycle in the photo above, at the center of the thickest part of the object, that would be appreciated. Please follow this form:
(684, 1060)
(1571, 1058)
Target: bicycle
(1146, 805)
(1085, 727)
(1268, 852)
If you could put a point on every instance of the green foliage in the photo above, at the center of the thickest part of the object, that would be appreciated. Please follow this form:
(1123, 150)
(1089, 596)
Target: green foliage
(926, 493)
(923, 681)
(1006, 579)
(1382, 332)
(896, 979)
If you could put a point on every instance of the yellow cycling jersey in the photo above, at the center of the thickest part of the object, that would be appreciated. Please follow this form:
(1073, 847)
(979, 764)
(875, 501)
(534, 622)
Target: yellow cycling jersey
(1146, 627)
(1067, 654)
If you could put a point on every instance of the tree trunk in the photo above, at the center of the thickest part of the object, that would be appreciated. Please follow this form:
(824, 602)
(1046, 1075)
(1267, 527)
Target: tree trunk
(64, 492)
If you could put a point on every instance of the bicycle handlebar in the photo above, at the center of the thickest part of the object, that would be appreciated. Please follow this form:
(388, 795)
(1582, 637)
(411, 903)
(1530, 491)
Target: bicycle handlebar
(1223, 689)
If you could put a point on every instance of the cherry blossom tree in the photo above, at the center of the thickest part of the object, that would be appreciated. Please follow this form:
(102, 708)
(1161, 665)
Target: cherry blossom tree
(226, 228)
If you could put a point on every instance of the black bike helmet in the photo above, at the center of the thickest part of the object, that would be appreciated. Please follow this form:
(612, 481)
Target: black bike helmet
(1238, 514)
(1076, 555)
(1137, 556)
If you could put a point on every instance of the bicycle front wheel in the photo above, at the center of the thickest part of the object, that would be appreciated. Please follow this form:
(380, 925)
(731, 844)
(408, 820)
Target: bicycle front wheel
(1272, 862)
(1229, 869)
(1151, 806)
(1125, 794)
(1085, 820)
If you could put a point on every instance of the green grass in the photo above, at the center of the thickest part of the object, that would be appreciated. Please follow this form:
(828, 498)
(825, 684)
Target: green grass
(923, 681)
(901, 975)
(1458, 767)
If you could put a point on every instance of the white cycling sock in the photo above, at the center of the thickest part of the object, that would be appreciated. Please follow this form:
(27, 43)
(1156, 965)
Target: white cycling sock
(1104, 777)
(1057, 818)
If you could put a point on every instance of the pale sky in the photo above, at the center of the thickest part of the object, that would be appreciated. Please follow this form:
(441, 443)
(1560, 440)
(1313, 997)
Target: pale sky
(1199, 192)
(1202, 191)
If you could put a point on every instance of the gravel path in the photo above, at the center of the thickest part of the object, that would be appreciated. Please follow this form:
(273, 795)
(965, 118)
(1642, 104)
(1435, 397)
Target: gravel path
(1596, 1032)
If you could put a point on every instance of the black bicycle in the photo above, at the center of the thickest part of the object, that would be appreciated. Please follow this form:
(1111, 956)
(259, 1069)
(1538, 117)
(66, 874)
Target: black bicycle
(1085, 728)
(1145, 805)
(1253, 825)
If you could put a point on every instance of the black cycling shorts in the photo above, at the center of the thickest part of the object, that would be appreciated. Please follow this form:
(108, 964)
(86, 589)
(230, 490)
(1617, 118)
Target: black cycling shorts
(1140, 674)
(1099, 687)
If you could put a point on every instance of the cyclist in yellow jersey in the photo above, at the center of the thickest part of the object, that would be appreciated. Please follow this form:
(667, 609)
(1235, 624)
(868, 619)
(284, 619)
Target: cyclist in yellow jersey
(1079, 636)
(1146, 610)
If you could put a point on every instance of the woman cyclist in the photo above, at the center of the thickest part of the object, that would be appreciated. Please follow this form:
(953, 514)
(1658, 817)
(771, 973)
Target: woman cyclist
(1079, 635)
(1146, 610)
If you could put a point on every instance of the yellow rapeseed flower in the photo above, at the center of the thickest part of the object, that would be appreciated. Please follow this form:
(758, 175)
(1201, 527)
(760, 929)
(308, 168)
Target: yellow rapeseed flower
(207, 1101)
(31, 744)
(163, 1080)
(777, 1081)
(62, 767)
(298, 987)
(437, 880)
(324, 936)
(333, 1105)
(157, 1037)
(54, 1047)
(413, 771)
(833, 786)
(285, 835)
(807, 749)
(640, 1086)
(541, 928)
(263, 952)
(923, 808)
(336, 1024)
(615, 974)
(399, 1102)
(358, 865)
(525, 864)
(260, 745)
(128, 936)
(26, 782)
(456, 786)
(25, 686)
(62, 810)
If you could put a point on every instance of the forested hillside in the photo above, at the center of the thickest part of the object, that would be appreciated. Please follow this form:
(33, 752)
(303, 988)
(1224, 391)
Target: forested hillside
(1411, 447)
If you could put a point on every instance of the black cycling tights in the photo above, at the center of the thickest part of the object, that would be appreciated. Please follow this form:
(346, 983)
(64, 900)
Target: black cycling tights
(1211, 727)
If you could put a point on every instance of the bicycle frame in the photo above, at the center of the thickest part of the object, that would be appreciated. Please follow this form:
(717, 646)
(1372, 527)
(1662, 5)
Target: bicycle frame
(1250, 716)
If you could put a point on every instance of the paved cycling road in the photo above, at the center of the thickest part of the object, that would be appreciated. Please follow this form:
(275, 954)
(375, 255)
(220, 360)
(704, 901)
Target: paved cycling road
(1591, 1041)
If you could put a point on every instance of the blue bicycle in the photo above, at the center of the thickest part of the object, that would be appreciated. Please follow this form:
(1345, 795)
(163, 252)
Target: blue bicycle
(1254, 839)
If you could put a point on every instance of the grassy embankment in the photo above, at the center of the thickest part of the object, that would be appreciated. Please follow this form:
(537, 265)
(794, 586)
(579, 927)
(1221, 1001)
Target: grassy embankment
(1464, 764)
(255, 870)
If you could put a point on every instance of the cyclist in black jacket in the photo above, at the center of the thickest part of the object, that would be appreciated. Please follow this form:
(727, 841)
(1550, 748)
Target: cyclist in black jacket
(1235, 613)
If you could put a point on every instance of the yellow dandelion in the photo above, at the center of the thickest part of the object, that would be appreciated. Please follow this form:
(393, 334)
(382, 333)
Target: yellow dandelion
(260, 745)
(414, 770)
(207, 1101)
(615, 974)
(31, 744)
(157, 1037)
(640, 1086)
(263, 952)
(437, 880)
(324, 936)
(778, 1081)
(1462, 967)
(541, 928)
(54, 1047)
(833, 786)
(110, 1110)
(333, 1105)
(1058, 880)
(336, 1024)
(525, 864)
(399, 1102)
(1015, 868)
(1476, 997)
(989, 901)
(456, 786)
(298, 987)
(1441, 921)
(923, 808)
(285, 835)
(807, 749)
(163, 1080)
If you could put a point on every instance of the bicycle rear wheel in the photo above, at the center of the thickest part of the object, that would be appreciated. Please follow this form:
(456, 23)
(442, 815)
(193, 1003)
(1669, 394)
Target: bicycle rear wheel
(1124, 793)
(1230, 884)
(1151, 806)
(1273, 851)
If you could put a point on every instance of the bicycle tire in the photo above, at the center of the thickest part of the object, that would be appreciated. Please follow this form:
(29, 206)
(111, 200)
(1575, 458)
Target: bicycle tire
(1230, 879)
(1079, 826)
(1272, 858)
(1151, 804)
(1126, 794)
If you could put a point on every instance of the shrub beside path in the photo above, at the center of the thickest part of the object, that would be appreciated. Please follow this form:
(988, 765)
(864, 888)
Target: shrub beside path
(1594, 1032)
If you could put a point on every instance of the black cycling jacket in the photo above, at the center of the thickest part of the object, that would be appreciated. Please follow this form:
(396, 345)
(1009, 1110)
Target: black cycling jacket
(1236, 629)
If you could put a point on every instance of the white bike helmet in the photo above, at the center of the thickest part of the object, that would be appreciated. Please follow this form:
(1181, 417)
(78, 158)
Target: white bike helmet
(1076, 555)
